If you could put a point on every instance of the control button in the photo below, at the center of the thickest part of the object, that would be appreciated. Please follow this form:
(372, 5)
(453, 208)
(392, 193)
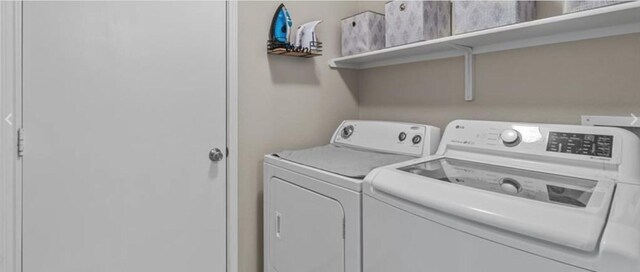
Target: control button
(347, 132)
(510, 137)
(402, 136)
(510, 186)
(416, 139)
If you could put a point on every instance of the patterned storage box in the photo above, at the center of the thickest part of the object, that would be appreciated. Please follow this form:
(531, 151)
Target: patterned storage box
(362, 32)
(412, 21)
(471, 16)
(573, 6)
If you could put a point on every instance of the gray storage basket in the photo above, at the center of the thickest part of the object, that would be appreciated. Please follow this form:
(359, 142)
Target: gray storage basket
(362, 32)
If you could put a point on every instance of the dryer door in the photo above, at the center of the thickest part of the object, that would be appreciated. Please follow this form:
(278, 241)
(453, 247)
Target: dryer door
(306, 230)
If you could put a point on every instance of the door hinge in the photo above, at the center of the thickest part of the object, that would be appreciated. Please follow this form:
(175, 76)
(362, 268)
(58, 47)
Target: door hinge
(344, 228)
(227, 149)
(20, 143)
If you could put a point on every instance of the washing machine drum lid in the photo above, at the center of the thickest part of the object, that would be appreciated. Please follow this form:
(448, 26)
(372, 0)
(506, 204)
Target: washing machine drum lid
(573, 226)
(342, 160)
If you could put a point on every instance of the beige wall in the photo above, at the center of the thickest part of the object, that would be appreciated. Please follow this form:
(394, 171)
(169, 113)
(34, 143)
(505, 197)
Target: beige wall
(553, 83)
(293, 103)
(284, 102)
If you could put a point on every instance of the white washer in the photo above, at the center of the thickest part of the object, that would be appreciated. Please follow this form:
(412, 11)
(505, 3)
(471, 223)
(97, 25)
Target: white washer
(312, 197)
(501, 196)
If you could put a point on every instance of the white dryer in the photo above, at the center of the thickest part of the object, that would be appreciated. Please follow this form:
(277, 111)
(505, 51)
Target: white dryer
(506, 197)
(312, 197)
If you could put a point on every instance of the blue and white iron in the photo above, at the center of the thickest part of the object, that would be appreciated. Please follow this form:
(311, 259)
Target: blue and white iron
(281, 25)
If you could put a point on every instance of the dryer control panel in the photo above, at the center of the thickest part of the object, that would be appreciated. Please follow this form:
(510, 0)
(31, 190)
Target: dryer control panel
(390, 137)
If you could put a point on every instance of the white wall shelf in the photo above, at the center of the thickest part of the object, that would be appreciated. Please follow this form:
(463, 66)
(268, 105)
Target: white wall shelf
(596, 23)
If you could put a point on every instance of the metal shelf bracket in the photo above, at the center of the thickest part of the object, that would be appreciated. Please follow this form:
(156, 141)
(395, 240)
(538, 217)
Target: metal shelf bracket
(468, 70)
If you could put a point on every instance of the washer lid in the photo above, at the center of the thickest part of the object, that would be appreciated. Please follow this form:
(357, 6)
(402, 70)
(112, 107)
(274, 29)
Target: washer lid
(544, 187)
(564, 210)
(342, 160)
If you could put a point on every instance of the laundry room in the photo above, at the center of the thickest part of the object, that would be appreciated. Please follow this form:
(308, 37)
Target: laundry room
(325, 136)
(555, 83)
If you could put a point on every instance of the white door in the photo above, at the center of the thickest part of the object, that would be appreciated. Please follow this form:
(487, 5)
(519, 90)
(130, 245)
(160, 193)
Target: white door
(122, 103)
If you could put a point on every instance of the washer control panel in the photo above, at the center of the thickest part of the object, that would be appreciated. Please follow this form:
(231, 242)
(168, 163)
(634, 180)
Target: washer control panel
(391, 137)
(583, 143)
(580, 143)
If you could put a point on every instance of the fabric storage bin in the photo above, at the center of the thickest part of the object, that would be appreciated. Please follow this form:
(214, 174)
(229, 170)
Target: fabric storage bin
(362, 32)
(412, 21)
(573, 6)
(471, 16)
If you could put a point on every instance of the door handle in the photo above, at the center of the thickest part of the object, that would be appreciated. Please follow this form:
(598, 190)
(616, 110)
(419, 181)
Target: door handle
(216, 155)
(278, 224)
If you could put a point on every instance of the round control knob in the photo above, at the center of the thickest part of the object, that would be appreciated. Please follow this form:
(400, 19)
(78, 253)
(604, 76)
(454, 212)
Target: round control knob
(402, 136)
(510, 186)
(416, 139)
(347, 131)
(510, 137)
